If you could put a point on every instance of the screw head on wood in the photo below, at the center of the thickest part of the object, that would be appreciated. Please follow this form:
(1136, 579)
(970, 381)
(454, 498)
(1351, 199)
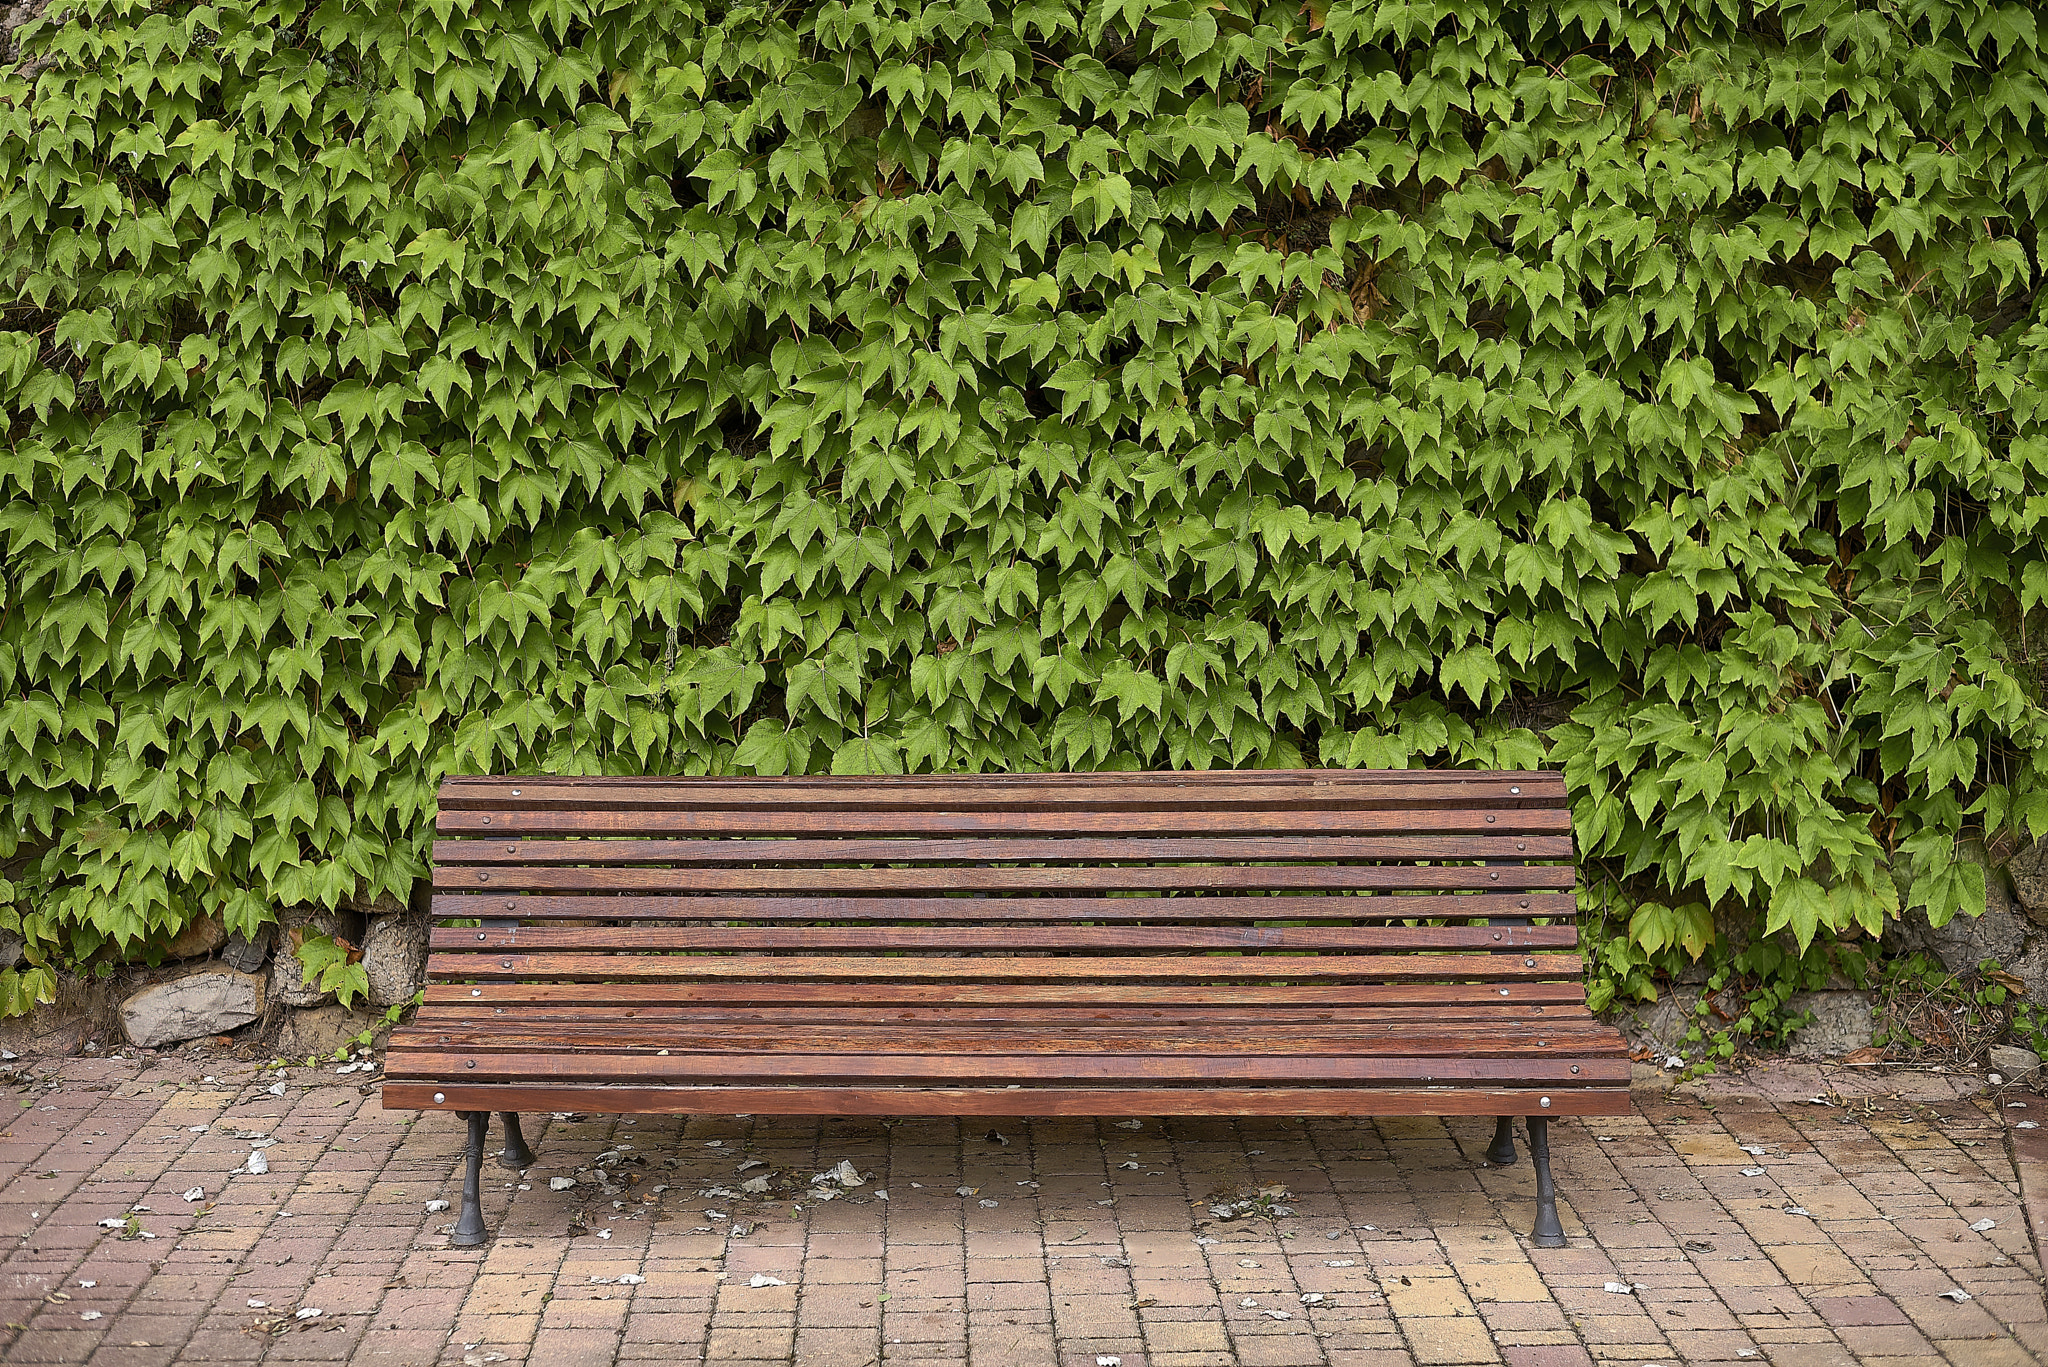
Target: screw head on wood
(1575, 1067)
(439, 1097)
(1528, 963)
(1544, 1103)
(515, 791)
(487, 821)
(1514, 790)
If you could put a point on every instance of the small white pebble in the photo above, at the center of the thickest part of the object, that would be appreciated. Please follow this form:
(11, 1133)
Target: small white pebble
(255, 1304)
(760, 1279)
(433, 1206)
(308, 1312)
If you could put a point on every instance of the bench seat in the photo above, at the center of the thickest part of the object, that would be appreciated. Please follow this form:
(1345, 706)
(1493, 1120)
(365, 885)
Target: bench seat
(1339, 943)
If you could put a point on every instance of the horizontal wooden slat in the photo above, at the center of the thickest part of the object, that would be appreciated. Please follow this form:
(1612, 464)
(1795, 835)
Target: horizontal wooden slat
(1312, 788)
(963, 993)
(597, 783)
(1073, 939)
(1444, 1037)
(1147, 878)
(909, 1023)
(1024, 849)
(1108, 1102)
(614, 907)
(1173, 819)
(597, 968)
(950, 1069)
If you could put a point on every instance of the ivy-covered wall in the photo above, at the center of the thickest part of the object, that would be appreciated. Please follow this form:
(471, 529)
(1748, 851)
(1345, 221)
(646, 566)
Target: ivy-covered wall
(404, 387)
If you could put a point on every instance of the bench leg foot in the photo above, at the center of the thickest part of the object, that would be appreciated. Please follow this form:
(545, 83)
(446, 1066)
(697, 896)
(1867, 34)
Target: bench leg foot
(1548, 1232)
(1502, 1154)
(469, 1227)
(515, 1154)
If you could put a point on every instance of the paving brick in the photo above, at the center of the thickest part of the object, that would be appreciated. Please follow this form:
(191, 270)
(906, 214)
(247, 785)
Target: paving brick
(1443, 1278)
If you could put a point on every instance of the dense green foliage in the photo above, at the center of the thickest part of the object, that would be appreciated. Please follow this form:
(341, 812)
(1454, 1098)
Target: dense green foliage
(1650, 388)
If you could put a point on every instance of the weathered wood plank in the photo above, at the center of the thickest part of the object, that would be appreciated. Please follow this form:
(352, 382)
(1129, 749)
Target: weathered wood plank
(1018, 849)
(955, 820)
(1073, 939)
(997, 907)
(1057, 878)
(1108, 1102)
(958, 992)
(758, 968)
(646, 1065)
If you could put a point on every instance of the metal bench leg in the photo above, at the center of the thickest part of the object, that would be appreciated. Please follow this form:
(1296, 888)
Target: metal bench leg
(515, 1154)
(469, 1228)
(1548, 1232)
(1502, 1154)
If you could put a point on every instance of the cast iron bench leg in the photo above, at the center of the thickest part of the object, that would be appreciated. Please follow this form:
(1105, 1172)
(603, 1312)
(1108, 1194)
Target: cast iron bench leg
(1548, 1232)
(469, 1227)
(515, 1155)
(1502, 1154)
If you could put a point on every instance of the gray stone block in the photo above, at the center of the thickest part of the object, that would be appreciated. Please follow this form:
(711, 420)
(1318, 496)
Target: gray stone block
(1841, 1024)
(395, 957)
(207, 1001)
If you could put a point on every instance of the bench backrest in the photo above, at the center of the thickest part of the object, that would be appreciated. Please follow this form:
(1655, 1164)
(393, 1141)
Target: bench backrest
(1273, 895)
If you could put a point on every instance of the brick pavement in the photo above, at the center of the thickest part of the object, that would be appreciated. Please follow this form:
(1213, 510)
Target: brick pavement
(1081, 1241)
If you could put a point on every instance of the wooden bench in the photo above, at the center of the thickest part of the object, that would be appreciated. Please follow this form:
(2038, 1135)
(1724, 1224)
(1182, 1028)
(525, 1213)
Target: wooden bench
(1299, 943)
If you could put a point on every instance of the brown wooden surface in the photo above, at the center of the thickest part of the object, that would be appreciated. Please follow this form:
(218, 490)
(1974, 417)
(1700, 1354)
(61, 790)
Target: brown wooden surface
(1072, 939)
(936, 1101)
(1080, 849)
(956, 993)
(1175, 819)
(1085, 1023)
(1206, 907)
(1024, 983)
(600, 968)
(646, 1065)
(605, 1032)
(1107, 792)
(1178, 878)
